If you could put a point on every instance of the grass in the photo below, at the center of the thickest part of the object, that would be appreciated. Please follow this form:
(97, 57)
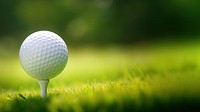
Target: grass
(151, 78)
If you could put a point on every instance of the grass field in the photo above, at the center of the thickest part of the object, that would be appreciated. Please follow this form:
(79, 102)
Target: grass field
(163, 77)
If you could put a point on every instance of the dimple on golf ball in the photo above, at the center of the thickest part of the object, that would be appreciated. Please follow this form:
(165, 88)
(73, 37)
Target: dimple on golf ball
(43, 55)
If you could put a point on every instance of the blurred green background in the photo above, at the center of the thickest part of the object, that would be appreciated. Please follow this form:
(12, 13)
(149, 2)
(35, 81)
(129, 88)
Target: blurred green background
(101, 21)
(98, 32)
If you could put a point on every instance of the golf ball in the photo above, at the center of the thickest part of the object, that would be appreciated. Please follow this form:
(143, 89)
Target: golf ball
(43, 55)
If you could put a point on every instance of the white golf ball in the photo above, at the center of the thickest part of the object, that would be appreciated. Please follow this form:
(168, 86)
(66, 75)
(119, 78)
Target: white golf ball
(43, 55)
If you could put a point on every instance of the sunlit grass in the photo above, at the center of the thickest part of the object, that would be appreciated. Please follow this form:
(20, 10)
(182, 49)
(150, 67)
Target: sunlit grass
(136, 94)
(109, 79)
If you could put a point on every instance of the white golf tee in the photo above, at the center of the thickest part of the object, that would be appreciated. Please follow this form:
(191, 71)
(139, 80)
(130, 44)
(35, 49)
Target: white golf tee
(43, 87)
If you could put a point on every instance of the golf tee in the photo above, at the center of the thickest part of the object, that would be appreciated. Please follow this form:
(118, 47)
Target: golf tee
(43, 87)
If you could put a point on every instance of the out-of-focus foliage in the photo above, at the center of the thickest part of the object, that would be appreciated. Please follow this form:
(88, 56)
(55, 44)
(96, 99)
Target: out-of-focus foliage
(101, 21)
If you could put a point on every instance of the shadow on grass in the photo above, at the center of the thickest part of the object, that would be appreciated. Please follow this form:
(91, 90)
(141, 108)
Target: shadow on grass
(127, 104)
(31, 104)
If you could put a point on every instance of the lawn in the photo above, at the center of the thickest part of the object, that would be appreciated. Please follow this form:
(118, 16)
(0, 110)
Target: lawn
(143, 77)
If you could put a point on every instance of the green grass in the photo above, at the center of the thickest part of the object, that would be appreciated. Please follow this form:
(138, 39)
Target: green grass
(135, 78)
